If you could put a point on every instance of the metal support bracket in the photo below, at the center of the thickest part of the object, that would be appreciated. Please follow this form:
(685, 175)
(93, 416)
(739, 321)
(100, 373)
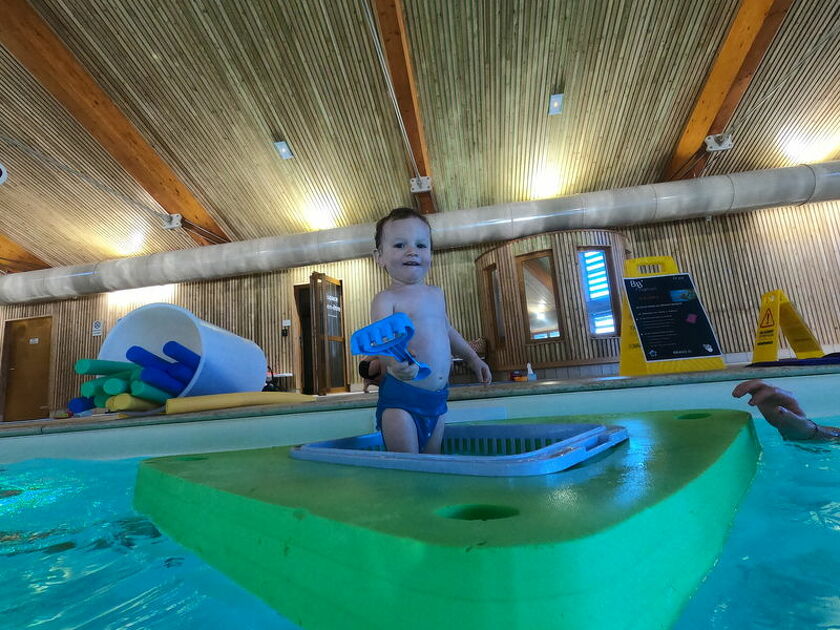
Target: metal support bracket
(171, 222)
(718, 142)
(421, 184)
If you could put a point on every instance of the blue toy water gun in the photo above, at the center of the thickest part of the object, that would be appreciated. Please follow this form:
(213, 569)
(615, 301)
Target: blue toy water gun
(389, 336)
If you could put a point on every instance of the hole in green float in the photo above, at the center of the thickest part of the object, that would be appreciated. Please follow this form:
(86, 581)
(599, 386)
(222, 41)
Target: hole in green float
(693, 416)
(477, 512)
(191, 458)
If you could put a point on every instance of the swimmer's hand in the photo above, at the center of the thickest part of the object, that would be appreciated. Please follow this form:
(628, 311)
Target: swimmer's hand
(405, 371)
(482, 371)
(779, 408)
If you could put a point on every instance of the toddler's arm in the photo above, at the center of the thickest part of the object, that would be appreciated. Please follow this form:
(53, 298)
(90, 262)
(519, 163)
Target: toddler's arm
(460, 348)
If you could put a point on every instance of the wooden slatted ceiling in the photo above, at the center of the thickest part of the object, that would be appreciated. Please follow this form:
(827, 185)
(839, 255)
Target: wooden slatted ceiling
(747, 37)
(391, 24)
(211, 85)
(629, 71)
(33, 43)
(55, 216)
(795, 120)
(15, 258)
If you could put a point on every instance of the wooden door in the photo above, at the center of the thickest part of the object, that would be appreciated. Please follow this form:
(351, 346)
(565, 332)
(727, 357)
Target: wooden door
(305, 368)
(329, 352)
(26, 368)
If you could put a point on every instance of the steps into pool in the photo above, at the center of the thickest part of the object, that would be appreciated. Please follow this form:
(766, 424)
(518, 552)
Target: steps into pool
(620, 541)
(496, 450)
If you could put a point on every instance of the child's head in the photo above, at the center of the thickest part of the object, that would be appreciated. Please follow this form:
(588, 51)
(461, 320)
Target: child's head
(398, 214)
(404, 245)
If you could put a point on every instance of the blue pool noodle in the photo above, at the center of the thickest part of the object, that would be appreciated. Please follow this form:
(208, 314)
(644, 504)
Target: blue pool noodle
(180, 372)
(78, 405)
(181, 353)
(146, 359)
(161, 380)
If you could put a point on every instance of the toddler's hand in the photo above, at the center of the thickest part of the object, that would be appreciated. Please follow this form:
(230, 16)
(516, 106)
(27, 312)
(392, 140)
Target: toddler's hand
(482, 371)
(404, 371)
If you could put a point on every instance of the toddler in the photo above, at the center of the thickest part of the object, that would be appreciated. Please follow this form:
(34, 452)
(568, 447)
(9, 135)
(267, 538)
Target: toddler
(411, 414)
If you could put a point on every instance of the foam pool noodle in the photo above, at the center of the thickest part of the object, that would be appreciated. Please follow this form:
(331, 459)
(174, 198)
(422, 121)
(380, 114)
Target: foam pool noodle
(176, 351)
(96, 366)
(78, 405)
(114, 386)
(180, 372)
(149, 392)
(127, 402)
(93, 388)
(96, 386)
(100, 400)
(161, 380)
(144, 358)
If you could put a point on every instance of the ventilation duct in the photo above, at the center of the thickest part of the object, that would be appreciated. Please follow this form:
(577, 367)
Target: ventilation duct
(668, 201)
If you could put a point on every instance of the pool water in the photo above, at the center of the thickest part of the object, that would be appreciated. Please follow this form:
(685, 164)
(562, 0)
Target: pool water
(73, 553)
(780, 566)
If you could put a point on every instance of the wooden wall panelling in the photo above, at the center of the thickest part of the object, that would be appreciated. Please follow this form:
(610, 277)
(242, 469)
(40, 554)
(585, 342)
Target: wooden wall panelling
(575, 346)
(734, 259)
(515, 354)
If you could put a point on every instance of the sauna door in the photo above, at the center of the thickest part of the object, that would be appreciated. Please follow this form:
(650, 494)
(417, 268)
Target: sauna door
(26, 368)
(329, 349)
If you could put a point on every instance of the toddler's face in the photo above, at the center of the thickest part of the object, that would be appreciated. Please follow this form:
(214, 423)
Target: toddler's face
(406, 250)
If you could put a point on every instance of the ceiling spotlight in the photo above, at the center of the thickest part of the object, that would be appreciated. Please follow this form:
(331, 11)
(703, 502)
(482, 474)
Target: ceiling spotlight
(284, 150)
(555, 104)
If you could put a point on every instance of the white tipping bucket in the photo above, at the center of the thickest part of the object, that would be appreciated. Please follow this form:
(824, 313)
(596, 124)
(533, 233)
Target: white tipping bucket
(229, 363)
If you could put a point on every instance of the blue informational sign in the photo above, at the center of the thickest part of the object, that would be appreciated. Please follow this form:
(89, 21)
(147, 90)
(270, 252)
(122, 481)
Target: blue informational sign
(671, 321)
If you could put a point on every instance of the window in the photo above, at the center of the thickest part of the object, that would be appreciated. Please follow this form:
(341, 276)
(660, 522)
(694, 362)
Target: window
(598, 291)
(539, 295)
(494, 290)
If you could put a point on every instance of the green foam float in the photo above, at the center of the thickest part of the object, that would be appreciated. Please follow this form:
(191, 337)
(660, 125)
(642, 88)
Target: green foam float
(619, 542)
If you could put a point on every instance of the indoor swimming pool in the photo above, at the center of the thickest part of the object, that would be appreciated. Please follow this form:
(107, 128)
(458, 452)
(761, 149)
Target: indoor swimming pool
(76, 555)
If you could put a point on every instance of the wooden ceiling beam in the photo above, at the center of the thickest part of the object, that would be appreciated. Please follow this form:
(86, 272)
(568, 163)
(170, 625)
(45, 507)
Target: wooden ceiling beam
(391, 17)
(14, 258)
(753, 29)
(38, 49)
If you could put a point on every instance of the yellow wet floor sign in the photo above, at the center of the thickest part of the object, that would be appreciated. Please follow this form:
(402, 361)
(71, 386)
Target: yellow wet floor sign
(778, 316)
(633, 360)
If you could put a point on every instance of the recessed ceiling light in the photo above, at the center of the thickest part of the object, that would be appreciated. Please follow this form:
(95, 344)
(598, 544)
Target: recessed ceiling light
(284, 150)
(555, 104)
